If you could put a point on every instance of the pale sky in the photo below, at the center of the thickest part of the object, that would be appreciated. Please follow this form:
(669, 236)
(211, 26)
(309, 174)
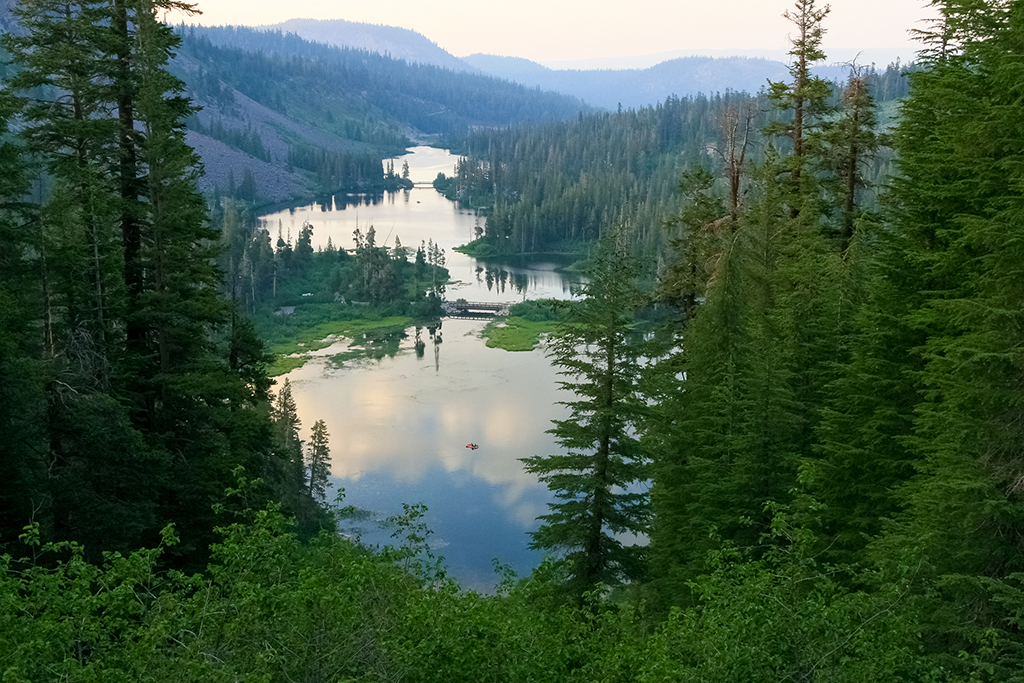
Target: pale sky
(559, 31)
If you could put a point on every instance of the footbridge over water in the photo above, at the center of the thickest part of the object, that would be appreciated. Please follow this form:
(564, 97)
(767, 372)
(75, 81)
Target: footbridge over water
(475, 310)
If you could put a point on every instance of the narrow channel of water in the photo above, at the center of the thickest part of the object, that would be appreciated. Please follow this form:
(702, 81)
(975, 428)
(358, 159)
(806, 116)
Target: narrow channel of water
(418, 215)
(399, 425)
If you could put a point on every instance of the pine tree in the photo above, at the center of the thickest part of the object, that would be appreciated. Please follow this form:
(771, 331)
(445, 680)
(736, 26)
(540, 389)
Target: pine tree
(596, 481)
(848, 143)
(103, 481)
(862, 456)
(142, 377)
(805, 98)
(304, 247)
(23, 372)
(958, 212)
(60, 48)
(178, 303)
(683, 280)
(738, 402)
(286, 428)
(318, 462)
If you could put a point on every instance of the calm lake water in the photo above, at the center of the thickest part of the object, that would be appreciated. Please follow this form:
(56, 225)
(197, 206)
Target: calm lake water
(418, 215)
(399, 425)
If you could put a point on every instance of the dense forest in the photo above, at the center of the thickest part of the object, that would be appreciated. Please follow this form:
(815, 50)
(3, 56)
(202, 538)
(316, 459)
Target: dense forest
(553, 187)
(429, 98)
(324, 116)
(132, 389)
(828, 413)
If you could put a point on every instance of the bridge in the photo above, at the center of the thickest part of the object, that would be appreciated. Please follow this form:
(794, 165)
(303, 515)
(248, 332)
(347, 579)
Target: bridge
(474, 310)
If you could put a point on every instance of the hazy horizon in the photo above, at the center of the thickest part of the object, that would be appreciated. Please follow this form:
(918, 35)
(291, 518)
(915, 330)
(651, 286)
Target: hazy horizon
(603, 34)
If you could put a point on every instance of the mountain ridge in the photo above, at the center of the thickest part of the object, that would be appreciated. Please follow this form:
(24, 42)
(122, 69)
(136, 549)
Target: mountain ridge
(393, 41)
(607, 88)
(636, 88)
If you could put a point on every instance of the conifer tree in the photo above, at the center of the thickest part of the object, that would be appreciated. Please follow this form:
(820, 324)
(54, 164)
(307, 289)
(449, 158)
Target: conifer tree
(318, 462)
(727, 425)
(140, 380)
(958, 212)
(60, 47)
(596, 480)
(286, 423)
(848, 143)
(805, 98)
(684, 278)
(179, 303)
(22, 343)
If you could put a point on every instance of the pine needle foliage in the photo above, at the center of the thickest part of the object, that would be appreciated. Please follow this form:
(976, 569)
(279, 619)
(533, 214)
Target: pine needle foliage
(598, 481)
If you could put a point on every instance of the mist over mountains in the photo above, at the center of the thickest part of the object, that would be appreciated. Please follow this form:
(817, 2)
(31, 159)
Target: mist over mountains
(604, 88)
(391, 41)
(281, 105)
(636, 88)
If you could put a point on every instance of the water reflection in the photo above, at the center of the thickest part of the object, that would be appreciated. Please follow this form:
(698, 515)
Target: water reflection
(418, 215)
(400, 418)
(402, 422)
(368, 346)
(340, 202)
(499, 279)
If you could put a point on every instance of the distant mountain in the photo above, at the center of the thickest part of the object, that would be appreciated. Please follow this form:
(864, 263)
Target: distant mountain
(295, 116)
(879, 56)
(514, 69)
(397, 43)
(605, 88)
(635, 88)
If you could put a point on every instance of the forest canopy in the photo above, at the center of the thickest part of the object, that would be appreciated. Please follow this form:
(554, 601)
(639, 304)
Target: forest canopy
(828, 413)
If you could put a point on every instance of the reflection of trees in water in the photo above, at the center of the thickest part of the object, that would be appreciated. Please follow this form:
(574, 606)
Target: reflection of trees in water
(373, 345)
(521, 282)
(419, 344)
(339, 202)
(499, 279)
(435, 336)
(344, 201)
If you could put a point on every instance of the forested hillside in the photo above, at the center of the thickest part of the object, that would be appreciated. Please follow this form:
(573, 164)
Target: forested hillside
(397, 43)
(636, 88)
(554, 187)
(793, 451)
(302, 116)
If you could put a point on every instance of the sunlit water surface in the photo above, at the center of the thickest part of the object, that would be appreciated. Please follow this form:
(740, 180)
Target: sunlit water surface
(418, 215)
(399, 425)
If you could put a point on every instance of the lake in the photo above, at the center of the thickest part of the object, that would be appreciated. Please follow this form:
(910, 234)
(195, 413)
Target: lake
(399, 425)
(418, 215)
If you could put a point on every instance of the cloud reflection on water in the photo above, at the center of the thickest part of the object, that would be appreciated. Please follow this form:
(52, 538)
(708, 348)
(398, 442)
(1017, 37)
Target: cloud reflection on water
(399, 418)
(399, 426)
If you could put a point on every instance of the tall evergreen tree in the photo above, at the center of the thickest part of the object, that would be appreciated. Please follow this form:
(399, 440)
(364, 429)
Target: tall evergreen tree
(597, 480)
(957, 210)
(318, 462)
(60, 52)
(178, 303)
(849, 142)
(289, 444)
(805, 99)
(728, 425)
(23, 372)
(142, 378)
